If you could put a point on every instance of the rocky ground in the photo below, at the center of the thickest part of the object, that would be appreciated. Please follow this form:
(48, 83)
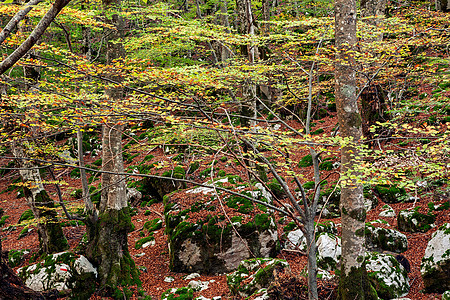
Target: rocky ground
(153, 259)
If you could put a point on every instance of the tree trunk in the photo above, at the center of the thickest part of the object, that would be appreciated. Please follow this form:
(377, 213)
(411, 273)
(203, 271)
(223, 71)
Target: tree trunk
(354, 282)
(109, 247)
(51, 236)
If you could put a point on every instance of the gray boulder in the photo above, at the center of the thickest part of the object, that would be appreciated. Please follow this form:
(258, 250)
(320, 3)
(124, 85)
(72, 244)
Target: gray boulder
(379, 239)
(435, 268)
(414, 221)
(446, 295)
(328, 251)
(388, 277)
(210, 244)
(253, 275)
(60, 271)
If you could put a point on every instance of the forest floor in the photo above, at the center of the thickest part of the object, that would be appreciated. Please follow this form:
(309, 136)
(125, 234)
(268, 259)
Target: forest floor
(155, 259)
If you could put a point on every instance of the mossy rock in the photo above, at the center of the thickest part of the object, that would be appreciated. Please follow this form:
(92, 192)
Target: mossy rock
(305, 161)
(140, 243)
(379, 239)
(414, 221)
(17, 257)
(3, 220)
(153, 225)
(391, 193)
(184, 293)
(276, 188)
(387, 276)
(328, 251)
(62, 271)
(253, 275)
(435, 267)
(26, 216)
(446, 295)
(209, 244)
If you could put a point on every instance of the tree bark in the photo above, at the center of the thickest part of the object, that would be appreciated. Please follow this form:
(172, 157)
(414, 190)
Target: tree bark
(51, 236)
(109, 247)
(353, 283)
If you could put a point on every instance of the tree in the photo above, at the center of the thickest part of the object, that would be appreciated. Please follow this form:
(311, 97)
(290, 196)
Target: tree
(354, 282)
(108, 245)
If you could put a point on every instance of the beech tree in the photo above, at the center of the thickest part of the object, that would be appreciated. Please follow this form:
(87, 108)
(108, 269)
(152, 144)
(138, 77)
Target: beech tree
(354, 283)
(108, 245)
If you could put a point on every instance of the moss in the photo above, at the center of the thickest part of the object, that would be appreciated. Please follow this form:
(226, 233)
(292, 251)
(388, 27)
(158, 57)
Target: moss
(241, 204)
(98, 162)
(390, 194)
(153, 225)
(193, 167)
(309, 185)
(318, 131)
(3, 220)
(276, 188)
(356, 283)
(141, 242)
(262, 221)
(326, 166)
(183, 293)
(305, 161)
(221, 173)
(17, 257)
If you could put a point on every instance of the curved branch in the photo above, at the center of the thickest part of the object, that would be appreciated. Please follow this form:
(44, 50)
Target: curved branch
(16, 19)
(34, 36)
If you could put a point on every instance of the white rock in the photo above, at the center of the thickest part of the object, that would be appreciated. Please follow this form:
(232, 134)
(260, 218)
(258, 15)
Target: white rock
(206, 190)
(296, 239)
(264, 192)
(169, 279)
(328, 251)
(149, 243)
(324, 274)
(191, 276)
(58, 277)
(436, 260)
(389, 273)
(387, 212)
(198, 285)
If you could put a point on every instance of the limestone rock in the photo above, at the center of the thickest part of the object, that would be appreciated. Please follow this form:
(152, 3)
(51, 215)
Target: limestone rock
(378, 239)
(414, 221)
(134, 196)
(388, 277)
(296, 240)
(183, 293)
(328, 251)
(435, 268)
(387, 212)
(58, 271)
(253, 275)
(210, 244)
(446, 295)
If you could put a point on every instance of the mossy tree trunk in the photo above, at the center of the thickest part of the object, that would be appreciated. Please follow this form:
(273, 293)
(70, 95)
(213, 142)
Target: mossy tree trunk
(353, 281)
(108, 246)
(51, 236)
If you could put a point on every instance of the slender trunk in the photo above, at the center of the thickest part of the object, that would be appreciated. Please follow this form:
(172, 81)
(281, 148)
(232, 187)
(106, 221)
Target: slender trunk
(353, 281)
(89, 206)
(51, 236)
